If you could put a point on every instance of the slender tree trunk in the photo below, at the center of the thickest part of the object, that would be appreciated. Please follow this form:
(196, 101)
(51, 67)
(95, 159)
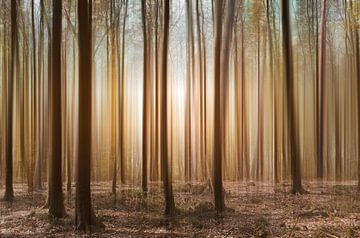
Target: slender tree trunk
(122, 116)
(218, 151)
(200, 40)
(33, 122)
(9, 191)
(272, 78)
(357, 59)
(38, 99)
(4, 84)
(22, 133)
(290, 95)
(55, 193)
(321, 91)
(155, 160)
(145, 97)
(204, 88)
(113, 95)
(166, 171)
(84, 215)
(188, 111)
(221, 77)
(246, 167)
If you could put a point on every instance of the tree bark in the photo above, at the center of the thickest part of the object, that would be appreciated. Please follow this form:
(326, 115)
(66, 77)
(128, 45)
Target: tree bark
(188, 99)
(122, 116)
(84, 215)
(9, 191)
(321, 91)
(290, 94)
(166, 171)
(55, 193)
(145, 96)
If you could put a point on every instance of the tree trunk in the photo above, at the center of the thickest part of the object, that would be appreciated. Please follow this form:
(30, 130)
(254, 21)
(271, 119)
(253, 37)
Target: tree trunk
(166, 172)
(4, 84)
(113, 155)
(221, 78)
(290, 94)
(321, 91)
(122, 116)
(55, 193)
(34, 79)
(84, 216)
(9, 191)
(38, 99)
(357, 59)
(190, 75)
(145, 97)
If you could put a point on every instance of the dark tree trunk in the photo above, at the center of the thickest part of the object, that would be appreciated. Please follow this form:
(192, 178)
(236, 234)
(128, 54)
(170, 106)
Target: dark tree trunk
(55, 193)
(188, 100)
(145, 96)
(34, 79)
(221, 79)
(38, 117)
(321, 92)
(217, 151)
(113, 154)
(290, 94)
(166, 171)
(84, 216)
(357, 36)
(9, 191)
(122, 116)
(4, 84)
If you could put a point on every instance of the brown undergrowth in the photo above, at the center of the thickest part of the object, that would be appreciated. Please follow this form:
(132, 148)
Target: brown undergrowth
(253, 210)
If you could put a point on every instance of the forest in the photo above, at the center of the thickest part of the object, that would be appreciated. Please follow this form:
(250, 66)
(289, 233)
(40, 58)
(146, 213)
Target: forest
(180, 118)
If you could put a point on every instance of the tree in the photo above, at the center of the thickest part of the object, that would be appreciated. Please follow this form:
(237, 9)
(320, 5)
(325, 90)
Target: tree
(188, 100)
(55, 193)
(4, 87)
(84, 215)
(122, 99)
(34, 94)
(218, 150)
(113, 154)
(145, 96)
(356, 32)
(221, 78)
(38, 129)
(321, 91)
(166, 171)
(202, 76)
(289, 81)
(9, 191)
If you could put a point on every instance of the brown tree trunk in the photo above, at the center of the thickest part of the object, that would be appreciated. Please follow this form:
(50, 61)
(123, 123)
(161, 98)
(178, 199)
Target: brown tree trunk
(34, 79)
(113, 155)
(4, 92)
(246, 167)
(145, 97)
(55, 193)
(84, 215)
(190, 75)
(357, 60)
(38, 99)
(122, 116)
(217, 151)
(290, 95)
(221, 77)
(321, 91)
(9, 191)
(166, 171)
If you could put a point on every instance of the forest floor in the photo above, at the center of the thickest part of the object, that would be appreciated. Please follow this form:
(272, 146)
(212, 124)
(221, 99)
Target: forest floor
(253, 210)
